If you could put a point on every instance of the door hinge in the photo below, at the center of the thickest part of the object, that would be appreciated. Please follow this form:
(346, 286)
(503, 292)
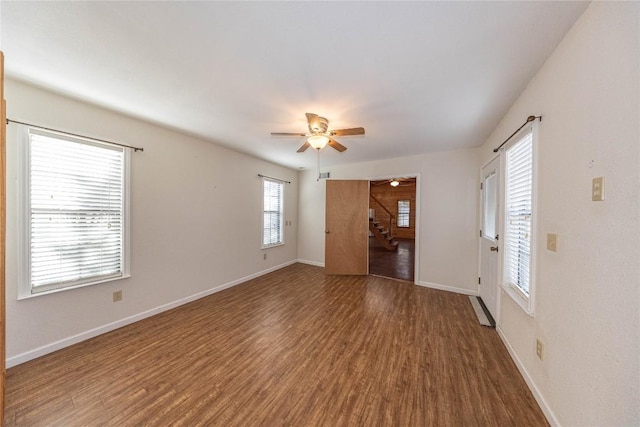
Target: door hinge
(479, 280)
(480, 233)
(481, 186)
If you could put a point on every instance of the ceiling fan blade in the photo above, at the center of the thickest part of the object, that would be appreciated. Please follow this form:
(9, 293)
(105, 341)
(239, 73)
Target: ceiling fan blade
(303, 147)
(335, 144)
(346, 132)
(310, 117)
(288, 134)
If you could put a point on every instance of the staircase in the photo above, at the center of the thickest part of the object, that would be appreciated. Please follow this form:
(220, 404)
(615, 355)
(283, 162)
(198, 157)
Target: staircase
(382, 235)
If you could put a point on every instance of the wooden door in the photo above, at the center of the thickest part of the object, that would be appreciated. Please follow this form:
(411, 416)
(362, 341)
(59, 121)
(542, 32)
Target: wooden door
(347, 228)
(3, 231)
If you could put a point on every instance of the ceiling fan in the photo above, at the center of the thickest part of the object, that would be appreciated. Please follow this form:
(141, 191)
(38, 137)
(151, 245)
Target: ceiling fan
(320, 135)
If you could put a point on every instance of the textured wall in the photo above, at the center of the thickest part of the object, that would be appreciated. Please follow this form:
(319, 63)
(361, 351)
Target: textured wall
(196, 223)
(587, 305)
(447, 213)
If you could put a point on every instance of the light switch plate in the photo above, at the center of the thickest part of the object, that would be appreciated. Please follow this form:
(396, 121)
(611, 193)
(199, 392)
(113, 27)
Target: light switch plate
(597, 189)
(552, 242)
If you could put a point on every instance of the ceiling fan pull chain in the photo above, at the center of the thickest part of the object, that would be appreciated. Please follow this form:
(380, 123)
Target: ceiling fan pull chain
(318, 153)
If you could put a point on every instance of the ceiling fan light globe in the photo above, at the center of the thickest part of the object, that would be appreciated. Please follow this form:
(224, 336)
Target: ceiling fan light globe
(395, 183)
(318, 141)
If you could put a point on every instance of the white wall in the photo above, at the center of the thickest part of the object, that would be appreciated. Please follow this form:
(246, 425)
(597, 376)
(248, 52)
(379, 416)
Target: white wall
(196, 224)
(588, 299)
(588, 293)
(448, 196)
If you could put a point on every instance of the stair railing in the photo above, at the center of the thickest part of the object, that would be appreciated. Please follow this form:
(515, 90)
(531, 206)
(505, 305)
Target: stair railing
(388, 212)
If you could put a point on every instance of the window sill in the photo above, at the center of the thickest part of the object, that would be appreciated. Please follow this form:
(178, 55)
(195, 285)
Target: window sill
(22, 295)
(520, 298)
(273, 246)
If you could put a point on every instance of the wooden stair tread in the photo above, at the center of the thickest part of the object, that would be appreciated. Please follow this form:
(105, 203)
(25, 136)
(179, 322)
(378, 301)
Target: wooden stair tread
(382, 235)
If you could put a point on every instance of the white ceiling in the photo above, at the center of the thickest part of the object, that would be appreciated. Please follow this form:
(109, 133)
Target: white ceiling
(418, 76)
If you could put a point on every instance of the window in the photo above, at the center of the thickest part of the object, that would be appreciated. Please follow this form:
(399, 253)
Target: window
(403, 213)
(74, 222)
(519, 216)
(272, 231)
(490, 204)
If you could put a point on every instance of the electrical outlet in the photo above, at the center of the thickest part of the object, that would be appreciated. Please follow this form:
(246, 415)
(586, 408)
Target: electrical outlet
(539, 349)
(264, 256)
(552, 242)
(117, 296)
(597, 189)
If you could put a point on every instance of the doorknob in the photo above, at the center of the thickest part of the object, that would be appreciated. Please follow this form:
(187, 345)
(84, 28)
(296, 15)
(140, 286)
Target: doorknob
(494, 249)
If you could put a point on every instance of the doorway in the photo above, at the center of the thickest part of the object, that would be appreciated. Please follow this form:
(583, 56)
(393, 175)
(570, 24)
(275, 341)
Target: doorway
(392, 228)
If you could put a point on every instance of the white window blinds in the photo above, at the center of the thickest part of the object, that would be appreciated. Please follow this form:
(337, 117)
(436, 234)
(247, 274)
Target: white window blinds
(404, 209)
(519, 190)
(75, 211)
(273, 204)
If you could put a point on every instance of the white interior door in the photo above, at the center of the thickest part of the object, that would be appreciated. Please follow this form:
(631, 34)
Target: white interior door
(489, 247)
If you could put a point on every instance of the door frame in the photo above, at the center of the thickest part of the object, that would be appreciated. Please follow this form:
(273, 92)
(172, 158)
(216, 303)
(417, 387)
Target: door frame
(500, 160)
(416, 261)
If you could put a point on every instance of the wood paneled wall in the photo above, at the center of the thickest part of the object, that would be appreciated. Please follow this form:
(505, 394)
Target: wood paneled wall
(389, 197)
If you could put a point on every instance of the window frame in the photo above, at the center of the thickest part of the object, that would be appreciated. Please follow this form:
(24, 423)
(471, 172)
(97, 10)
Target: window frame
(403, 214)
(280, 241)
(25, 288)
(524, 301)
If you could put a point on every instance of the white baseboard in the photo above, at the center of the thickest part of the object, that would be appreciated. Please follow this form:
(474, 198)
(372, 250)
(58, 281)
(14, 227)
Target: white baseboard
(447, 288)
(83, 336)
(305, 261)
(546, 409)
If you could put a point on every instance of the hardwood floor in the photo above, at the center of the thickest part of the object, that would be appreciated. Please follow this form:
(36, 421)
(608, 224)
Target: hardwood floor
(398, 264)
(294, 347)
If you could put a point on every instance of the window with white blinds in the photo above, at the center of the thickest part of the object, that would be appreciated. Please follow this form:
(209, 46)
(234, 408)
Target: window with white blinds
(74, 217)
(404, 210)
(519, 215)
(273, 207)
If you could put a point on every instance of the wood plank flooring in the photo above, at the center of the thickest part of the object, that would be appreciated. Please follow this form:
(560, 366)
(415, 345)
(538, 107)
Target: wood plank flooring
(399, 264)
(292, 348)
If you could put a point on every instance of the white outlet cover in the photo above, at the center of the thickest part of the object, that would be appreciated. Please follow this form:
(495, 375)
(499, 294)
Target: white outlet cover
(597, 189)
(540, 349)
